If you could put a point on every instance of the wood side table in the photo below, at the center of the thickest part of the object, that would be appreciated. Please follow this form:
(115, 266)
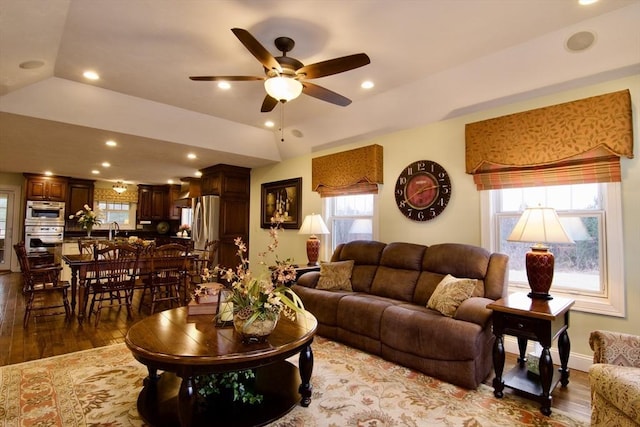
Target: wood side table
(538, 320)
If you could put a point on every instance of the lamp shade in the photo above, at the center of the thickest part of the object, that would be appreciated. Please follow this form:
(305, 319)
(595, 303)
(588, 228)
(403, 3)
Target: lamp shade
(313, 224)
(539, 225)
(283, 88)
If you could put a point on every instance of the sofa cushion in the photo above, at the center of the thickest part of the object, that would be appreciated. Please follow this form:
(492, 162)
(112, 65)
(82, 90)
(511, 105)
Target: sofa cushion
(366, 256)
(335, 275)
(450, 293)
(323, 304)
(361, 313)
(399, 270)
(426, 333)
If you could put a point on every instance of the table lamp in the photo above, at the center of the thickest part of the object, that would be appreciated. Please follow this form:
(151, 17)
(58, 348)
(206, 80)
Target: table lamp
(539, 226)
(313, 224)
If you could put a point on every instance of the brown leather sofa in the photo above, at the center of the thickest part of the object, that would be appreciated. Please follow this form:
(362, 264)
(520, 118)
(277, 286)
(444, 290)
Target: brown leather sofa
(386, 312)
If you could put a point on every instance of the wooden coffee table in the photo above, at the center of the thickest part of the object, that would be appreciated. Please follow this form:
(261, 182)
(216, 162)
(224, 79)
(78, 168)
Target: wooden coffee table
(186, 346)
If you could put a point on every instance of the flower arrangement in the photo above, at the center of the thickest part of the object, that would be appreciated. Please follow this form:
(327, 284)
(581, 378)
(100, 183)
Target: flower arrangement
(184, 227)
(265, 296)
(87, 218)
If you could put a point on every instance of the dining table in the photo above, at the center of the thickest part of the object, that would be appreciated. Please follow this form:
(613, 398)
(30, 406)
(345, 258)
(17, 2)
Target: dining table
(82, 264)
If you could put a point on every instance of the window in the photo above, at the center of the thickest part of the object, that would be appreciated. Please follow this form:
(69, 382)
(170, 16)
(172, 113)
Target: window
(351, 218)
(124, 213)
(589, 271)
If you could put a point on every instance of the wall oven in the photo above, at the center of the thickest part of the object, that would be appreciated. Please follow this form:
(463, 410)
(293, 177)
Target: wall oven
(44, 213)
(43, 238)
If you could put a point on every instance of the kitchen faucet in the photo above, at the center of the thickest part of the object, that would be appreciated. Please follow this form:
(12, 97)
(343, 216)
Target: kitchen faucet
(114, 229)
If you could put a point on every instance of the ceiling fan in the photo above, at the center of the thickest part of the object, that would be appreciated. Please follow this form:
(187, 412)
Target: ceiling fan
(286, 77)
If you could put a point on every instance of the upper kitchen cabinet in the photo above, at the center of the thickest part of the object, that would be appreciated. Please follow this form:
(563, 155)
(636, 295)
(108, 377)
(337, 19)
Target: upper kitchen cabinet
(40, 187)
(158, 202)
(225, 181)
(80, 192)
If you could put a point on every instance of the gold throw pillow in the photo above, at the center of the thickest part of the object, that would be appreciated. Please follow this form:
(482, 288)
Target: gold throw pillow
(450, 293)
(335, 276)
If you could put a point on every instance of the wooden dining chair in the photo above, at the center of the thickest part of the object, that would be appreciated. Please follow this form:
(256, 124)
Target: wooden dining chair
(40, 282)
(203, 259)
(166, 277)
(116, 270)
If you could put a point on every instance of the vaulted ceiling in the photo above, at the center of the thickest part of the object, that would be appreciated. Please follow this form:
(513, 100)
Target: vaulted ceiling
(430, 60)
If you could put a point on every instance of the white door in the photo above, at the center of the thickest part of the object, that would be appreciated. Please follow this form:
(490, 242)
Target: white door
(7, 199)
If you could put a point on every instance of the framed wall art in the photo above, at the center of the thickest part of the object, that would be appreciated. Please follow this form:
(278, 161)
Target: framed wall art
(281, 199)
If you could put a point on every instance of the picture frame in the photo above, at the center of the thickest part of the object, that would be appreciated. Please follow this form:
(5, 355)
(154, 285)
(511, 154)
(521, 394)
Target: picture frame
(283, 198)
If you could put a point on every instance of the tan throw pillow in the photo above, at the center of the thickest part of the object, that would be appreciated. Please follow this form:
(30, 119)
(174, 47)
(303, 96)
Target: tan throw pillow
(450, 293)
(335, 276)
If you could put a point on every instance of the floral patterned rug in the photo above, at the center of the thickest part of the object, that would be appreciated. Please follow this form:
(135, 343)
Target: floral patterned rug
(99, 387)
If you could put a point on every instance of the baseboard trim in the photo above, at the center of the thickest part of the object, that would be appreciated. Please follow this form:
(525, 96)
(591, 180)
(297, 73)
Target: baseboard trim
(580, 362)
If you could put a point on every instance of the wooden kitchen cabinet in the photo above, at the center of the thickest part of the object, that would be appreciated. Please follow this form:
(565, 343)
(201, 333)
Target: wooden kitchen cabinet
(233, 185)
(52, 188)
(80, 192)
(158, 202)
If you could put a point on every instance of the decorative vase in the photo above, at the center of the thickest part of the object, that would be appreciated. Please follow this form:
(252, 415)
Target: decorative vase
(89, 228)
(256, 332)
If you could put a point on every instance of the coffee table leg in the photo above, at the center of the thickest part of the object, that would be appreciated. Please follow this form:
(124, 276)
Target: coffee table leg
(186, 401)
(306, 369)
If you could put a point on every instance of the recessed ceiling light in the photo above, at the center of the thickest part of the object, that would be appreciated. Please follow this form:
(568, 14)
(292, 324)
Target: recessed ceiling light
(106, 164)
(269, 124)
(191, 156)
(111, 143)
(224, 85)
(95, 172)
(367, 84)
(198, 173)
(91, 75)
(48, 173)
(30, 65)
(587, 2)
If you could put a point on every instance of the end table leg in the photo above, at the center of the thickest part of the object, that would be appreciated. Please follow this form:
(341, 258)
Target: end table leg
(564, 348)
(498, 366)
(153, 377)
(546, 376)
(522, 349)
(186, 401)
(306, 369)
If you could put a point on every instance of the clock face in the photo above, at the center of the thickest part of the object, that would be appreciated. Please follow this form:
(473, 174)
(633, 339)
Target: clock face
(423, 190)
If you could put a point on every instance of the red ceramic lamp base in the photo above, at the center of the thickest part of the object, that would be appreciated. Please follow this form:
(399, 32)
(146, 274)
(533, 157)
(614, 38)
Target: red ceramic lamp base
(540, 264)
(313, 250)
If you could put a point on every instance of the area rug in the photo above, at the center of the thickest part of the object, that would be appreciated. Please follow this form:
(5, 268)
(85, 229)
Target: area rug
(99, 387)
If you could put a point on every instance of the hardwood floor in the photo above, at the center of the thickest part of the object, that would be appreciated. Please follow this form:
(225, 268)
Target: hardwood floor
(52, 335)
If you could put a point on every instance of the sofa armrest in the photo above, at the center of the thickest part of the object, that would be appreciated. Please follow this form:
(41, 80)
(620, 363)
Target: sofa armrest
(615, 348)
(309, 279)
(474, 310)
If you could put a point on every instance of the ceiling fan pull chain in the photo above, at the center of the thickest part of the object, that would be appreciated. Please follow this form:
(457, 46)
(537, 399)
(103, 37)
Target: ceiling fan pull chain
(282, 123)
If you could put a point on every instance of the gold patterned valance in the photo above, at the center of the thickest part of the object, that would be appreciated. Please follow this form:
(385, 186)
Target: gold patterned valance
(357, 171)
(576, 134)
(109, 195)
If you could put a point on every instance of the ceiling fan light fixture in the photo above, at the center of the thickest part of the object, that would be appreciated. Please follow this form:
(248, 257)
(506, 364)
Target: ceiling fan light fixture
(283, 88)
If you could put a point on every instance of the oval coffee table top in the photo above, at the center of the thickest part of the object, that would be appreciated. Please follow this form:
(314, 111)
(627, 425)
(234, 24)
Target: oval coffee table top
(173, 339)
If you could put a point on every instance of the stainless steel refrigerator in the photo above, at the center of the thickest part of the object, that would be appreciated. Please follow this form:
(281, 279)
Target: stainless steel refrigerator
(206, 219)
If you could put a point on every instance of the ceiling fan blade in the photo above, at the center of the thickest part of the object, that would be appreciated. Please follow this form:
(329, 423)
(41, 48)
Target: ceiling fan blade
(225, 78)
(334, 66)
(324, 94)
(256, 49)
(268, 104)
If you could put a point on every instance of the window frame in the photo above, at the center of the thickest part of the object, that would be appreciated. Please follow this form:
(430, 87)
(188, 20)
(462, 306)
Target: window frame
(612, 303)
(327, 214)
(132, 215)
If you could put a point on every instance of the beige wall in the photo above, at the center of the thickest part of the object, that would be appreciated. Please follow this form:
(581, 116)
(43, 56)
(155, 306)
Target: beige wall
(443, 142)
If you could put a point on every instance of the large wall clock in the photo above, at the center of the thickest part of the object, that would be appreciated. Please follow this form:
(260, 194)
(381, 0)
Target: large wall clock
(423, 190)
